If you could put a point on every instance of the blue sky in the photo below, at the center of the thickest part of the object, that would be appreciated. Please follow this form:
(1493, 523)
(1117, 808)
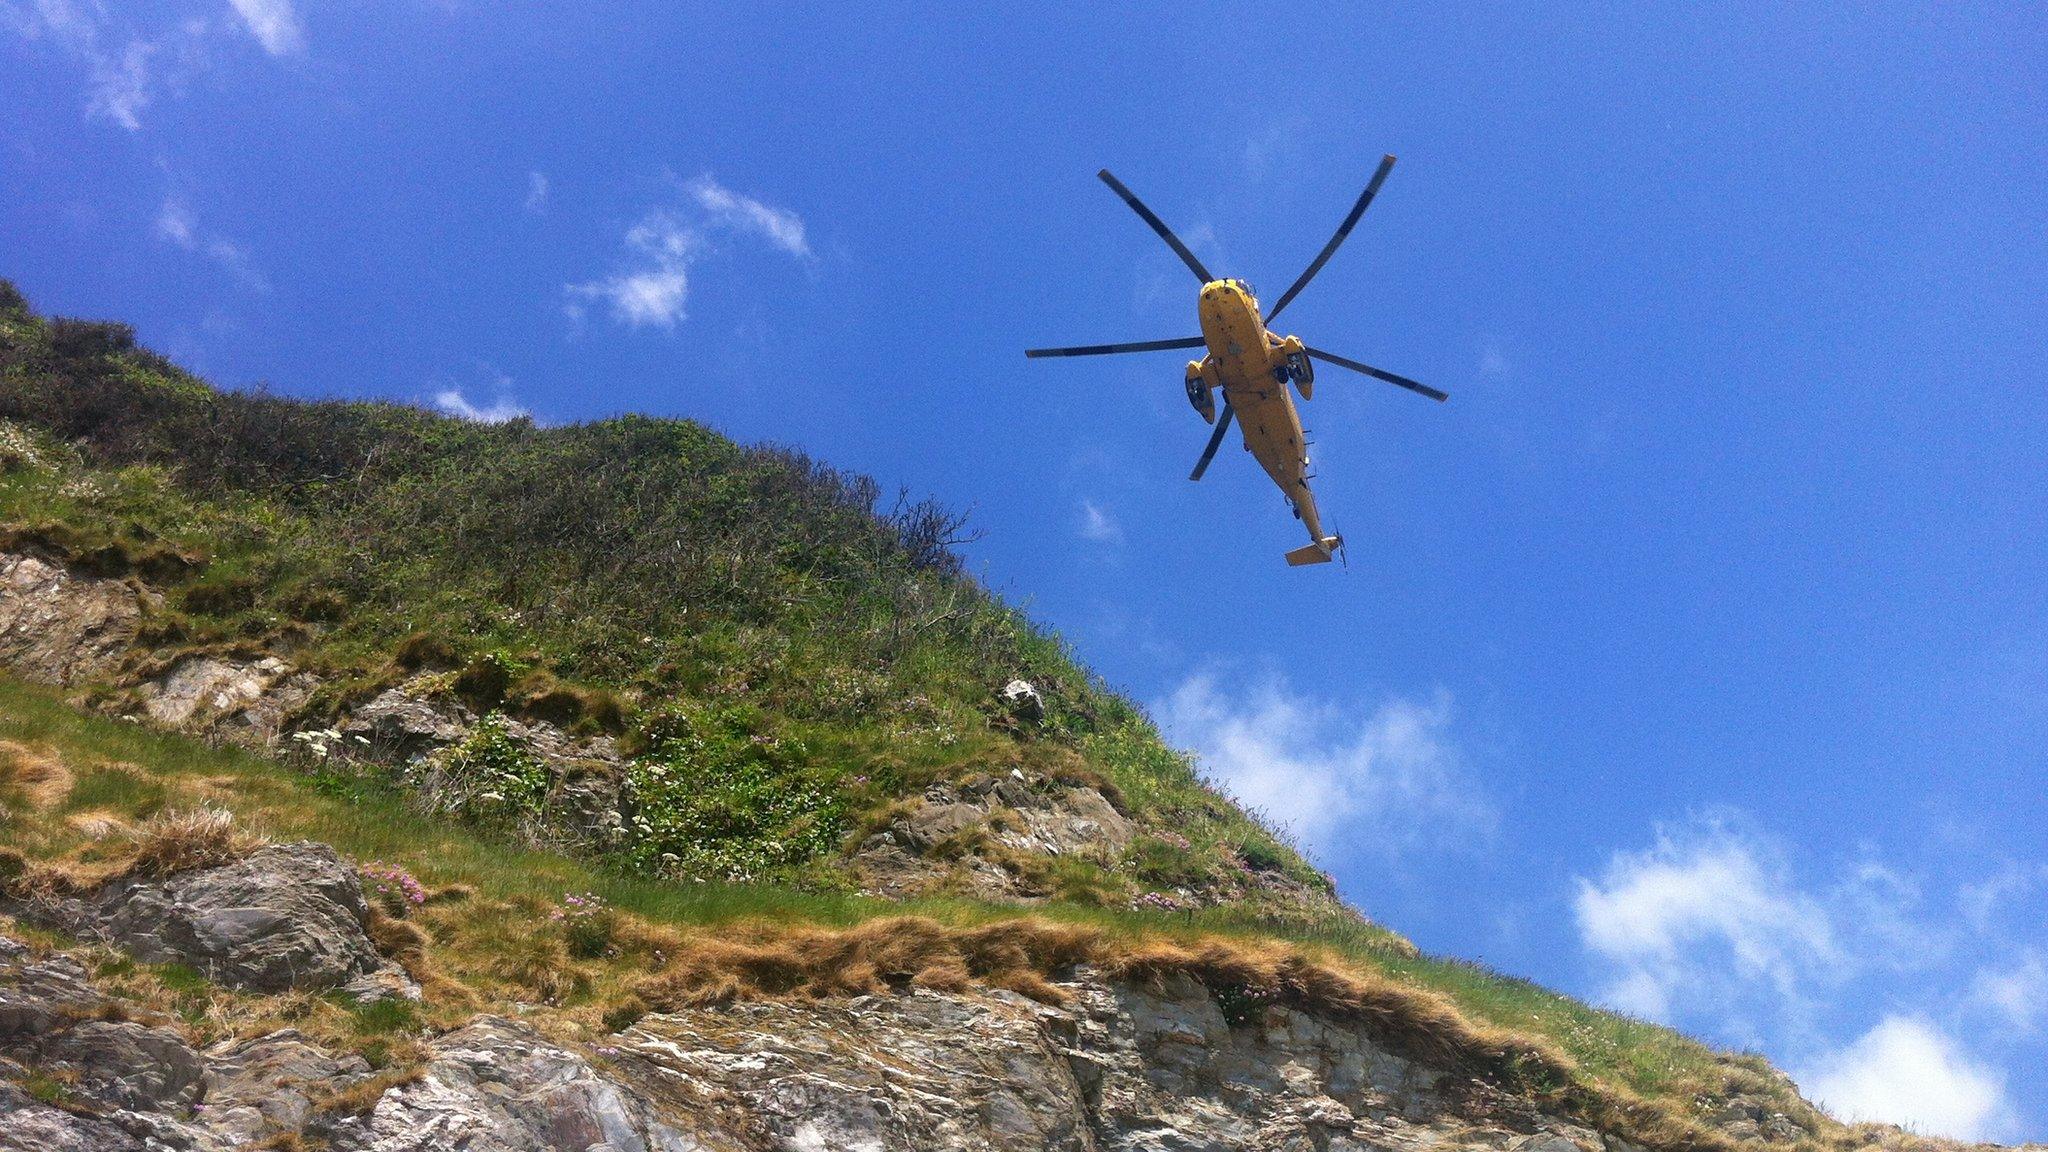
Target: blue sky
(1693, 658)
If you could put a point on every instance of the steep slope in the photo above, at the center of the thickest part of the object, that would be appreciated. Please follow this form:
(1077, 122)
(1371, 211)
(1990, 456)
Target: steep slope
(632, 636)
(629, 788)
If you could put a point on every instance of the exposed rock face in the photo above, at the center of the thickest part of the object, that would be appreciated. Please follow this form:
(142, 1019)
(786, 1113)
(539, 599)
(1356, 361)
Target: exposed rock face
(1119, 1068)
(918, 1071)
(498, 1086)
(120, 1064)
(260, 1087)
(288, 916)
(59, 627)
(1029, 814)
(402, 725)
(240, 697)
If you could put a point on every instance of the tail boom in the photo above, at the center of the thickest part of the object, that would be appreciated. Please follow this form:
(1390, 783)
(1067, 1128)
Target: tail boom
(1322, 551)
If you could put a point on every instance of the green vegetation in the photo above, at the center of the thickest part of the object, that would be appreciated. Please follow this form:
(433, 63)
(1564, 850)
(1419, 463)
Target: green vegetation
(787, 651)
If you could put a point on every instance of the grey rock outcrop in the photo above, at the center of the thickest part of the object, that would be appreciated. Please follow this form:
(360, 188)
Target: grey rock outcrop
(120, 1064)
(287, 916)
(253, 698)
(57, 626)
(497, 1086)
(260, 1087)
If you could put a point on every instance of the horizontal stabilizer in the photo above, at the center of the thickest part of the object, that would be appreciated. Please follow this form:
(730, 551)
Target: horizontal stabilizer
(1319, 552)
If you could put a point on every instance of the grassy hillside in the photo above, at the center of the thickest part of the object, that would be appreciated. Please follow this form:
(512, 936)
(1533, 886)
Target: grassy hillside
(785, 650)
(487, 926)
(784, 655)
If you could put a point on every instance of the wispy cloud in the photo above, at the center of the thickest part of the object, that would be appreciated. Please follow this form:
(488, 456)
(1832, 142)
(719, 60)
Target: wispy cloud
(1712, 929)
(128, 62)
(652, 287)
(537, 192)
(274, 24)
(1908, 1071)
(1382, 780)
(176, 225)
(2017, 995)
(728, 209)
(1705, 914)
(1492, 361)
(652, 293)
(119, 81)
(1098, 525)
(454, 403)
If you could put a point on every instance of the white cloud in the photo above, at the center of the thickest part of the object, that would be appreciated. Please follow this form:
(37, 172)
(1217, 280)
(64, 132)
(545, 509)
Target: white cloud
(1387, 779)
(2019, 994)
(1985, 902)
(1705, 915)
(274, 24)
(654, 286)
(119, 82)
(1907, 1071)
(176, 225)
(745, 214)
(1098, 525)
(654, 292)
(128, 64)
(454, 403)
(537, 192)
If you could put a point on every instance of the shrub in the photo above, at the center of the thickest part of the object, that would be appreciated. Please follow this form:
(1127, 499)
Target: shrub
(491, 776)
(80, 339)
(713, 795)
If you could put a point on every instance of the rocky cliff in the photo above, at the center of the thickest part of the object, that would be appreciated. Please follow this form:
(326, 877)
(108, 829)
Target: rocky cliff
(1093, 1062)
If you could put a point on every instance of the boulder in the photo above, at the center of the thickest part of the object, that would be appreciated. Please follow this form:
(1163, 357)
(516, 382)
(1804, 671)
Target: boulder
(287, 916)
(1024, 701)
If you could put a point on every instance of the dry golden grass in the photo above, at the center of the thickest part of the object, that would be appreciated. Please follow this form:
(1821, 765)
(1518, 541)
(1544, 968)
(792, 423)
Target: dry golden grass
(38, 776)
(183, 841)
(98, 824)
(164, 845)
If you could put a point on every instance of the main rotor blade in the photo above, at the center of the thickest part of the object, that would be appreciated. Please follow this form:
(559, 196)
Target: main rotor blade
(1369, 370)
(1157, 224)
(1215, 440)
(1108, 349)
(1372, 189)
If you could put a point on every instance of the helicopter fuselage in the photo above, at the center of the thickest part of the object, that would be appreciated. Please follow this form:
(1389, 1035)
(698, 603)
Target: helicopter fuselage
(1252, 368)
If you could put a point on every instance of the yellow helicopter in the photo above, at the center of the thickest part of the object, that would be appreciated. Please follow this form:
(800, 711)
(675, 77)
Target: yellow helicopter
(1251, 367)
